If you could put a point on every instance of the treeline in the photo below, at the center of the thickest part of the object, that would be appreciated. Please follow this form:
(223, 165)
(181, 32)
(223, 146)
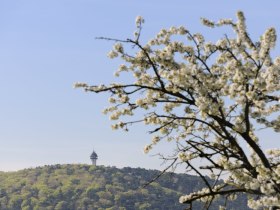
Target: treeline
(85, 187)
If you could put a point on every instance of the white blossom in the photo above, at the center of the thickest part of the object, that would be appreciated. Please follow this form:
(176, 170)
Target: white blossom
(139, 20)
(210, 99)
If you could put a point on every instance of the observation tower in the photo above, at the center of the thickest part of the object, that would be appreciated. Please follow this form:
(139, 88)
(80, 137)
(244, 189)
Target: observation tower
(93, 158)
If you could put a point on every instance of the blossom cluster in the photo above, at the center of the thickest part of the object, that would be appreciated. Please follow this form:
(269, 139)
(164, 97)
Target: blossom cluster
(207, 97)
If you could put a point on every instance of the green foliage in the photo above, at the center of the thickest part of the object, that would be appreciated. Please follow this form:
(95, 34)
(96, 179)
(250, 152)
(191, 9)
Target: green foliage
(79, 187)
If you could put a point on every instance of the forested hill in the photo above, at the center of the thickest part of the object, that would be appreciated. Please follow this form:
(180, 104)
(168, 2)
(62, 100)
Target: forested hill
(85, 187)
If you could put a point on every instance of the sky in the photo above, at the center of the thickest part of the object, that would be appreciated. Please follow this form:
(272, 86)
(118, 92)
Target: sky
(46, 46)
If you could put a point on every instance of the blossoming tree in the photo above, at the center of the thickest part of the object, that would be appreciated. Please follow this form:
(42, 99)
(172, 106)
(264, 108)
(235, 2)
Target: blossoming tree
(211, 99)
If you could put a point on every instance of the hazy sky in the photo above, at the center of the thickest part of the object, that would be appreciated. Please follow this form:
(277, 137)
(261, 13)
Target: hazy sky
(47, 45)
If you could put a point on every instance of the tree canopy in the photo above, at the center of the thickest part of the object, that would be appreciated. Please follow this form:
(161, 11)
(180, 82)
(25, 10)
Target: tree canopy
(211, 99)
(87, 187)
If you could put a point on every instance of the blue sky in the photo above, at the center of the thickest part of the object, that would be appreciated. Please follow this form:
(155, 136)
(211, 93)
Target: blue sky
(46, 46)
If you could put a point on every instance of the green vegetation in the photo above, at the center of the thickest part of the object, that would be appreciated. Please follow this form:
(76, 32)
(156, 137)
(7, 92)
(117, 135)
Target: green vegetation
(85, 187)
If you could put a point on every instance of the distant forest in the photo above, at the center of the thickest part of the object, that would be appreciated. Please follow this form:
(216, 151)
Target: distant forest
(86, 187)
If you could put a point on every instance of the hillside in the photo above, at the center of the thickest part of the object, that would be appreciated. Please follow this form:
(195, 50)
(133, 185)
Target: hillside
(85, 187)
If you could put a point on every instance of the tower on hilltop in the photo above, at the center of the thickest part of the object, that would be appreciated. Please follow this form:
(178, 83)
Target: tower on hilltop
(93, 158)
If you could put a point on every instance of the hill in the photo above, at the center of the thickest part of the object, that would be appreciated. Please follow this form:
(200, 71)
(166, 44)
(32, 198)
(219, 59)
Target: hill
(85, 187)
